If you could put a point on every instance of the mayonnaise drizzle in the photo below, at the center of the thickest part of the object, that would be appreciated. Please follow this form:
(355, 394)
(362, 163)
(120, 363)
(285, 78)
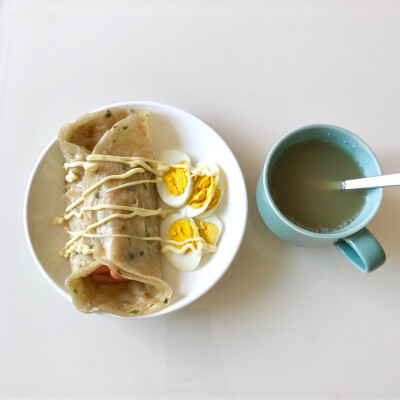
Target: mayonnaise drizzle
(134, 183)
(71, 177)
(159, 169)
(137, 165)
(79, 248)
(186, 244)
(143, 212)
(74, 164)
(101, 182)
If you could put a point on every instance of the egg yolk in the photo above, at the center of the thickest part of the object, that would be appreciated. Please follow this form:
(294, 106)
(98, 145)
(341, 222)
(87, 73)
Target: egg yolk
(202, 190)
(208, 231)
(183, 229)
(215, 199)
(176, 180)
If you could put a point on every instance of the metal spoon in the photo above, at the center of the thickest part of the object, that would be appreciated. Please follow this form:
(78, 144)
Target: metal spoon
(371, 182)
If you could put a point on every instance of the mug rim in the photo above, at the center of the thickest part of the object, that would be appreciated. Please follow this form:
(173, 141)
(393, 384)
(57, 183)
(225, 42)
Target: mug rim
(336, 234)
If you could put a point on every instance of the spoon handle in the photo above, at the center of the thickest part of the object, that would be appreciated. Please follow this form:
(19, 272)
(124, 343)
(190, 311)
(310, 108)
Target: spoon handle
(373, 181)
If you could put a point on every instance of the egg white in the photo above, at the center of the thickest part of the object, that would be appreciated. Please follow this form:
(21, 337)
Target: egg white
(212, 169)
(174, 157)
(183, 262)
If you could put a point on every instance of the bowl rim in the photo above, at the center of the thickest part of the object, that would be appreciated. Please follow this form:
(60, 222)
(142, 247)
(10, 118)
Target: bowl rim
(184, 301)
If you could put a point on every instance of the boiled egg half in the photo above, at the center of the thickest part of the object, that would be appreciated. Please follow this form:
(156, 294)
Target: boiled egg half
(176, 185)
(216, 198)
(204, 186)
(178, 228)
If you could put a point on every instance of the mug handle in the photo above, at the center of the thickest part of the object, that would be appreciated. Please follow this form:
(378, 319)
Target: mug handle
(363, 250)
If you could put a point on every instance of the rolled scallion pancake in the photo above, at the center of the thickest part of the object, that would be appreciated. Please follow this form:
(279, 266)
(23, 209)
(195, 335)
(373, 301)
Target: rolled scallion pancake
(113, 214)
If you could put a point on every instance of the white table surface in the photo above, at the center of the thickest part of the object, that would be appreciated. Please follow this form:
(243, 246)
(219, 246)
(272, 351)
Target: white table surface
(283, 321)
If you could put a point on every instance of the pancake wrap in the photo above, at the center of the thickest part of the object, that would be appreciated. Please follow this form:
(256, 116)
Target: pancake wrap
(122, 133)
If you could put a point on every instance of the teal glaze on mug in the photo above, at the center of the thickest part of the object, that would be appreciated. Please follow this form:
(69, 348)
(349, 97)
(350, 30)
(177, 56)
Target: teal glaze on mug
(355, 241)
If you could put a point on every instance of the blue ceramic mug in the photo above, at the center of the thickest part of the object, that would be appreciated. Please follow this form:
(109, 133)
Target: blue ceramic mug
(354, 241)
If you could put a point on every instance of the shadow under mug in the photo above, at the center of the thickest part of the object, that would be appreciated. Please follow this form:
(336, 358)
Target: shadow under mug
(354, 240)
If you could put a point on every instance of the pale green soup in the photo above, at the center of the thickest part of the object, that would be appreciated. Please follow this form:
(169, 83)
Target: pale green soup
(301, 186)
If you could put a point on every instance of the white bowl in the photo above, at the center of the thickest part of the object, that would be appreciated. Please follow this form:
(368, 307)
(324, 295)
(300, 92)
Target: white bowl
(169, 128)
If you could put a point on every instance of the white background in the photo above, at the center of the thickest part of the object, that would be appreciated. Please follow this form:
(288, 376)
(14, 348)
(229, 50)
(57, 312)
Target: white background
(283, 321)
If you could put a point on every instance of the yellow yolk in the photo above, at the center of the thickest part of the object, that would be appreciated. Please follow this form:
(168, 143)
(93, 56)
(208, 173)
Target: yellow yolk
(215, 200)
(176, 180)
(202, 190)
(208, 231)
(183, 229)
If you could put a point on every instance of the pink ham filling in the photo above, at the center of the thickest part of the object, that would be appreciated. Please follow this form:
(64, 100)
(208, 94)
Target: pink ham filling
(103, 274)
